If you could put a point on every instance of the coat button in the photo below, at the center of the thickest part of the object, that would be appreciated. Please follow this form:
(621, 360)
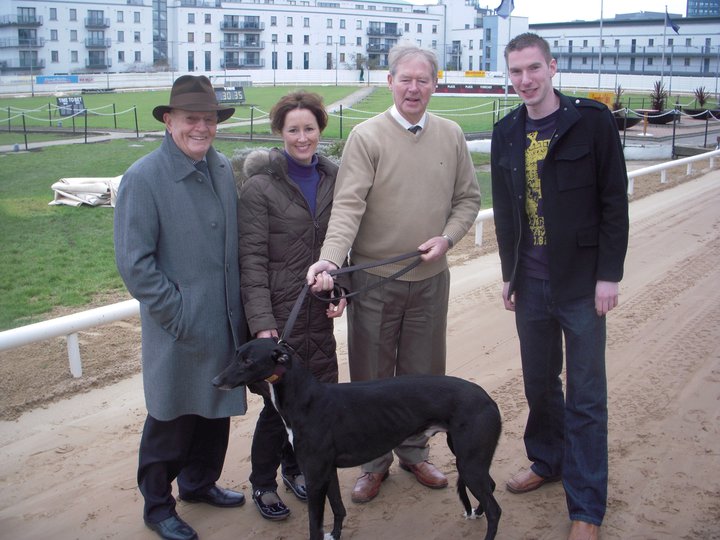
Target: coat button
(213, 224)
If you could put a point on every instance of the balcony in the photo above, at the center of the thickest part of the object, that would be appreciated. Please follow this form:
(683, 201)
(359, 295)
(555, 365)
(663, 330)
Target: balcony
(15, 43)
(378, 47)
(242, 26)
(242, 45)
(98, 63)
(21, 65)
(379, 31)
(97, 22)
(18, 20)
(243, 64)
(98, 43)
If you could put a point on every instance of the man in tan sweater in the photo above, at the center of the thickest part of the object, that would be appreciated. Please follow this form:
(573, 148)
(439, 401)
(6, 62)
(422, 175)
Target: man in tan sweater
(406, 183)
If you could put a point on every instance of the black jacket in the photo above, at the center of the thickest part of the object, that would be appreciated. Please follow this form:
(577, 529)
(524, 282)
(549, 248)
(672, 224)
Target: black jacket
(279, 239)
(584, 190)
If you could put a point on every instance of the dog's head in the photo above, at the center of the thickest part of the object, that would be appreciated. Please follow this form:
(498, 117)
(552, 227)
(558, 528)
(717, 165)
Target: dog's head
(258, 360)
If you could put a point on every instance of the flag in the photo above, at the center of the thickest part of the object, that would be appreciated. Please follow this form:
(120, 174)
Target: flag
(668, 21)
(505, 8)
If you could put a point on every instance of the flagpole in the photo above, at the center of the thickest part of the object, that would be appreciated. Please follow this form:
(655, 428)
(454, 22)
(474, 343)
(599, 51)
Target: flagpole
(601, 45)
(662, 60)
(506, 66)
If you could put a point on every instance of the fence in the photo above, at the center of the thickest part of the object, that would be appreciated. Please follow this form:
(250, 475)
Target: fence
(70, 325)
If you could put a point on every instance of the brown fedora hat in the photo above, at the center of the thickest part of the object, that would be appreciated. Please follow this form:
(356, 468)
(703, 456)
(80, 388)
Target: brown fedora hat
(191, 93)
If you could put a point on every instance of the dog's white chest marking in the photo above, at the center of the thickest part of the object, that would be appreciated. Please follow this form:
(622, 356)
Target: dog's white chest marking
(273, 398)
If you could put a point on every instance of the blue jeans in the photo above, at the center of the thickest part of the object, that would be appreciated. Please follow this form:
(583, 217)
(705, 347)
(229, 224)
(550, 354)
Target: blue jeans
(565, 435)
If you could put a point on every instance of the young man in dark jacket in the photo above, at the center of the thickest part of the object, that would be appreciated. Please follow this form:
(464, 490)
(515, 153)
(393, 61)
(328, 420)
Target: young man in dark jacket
(561, 216)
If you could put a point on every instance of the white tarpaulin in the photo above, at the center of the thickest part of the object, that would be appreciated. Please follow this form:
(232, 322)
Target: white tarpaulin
(90, 191)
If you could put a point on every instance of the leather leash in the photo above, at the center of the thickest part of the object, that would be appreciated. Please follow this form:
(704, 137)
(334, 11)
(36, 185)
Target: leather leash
(346, 270)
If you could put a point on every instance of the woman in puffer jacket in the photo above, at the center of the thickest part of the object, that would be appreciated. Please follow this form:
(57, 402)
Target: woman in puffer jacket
(283, 215)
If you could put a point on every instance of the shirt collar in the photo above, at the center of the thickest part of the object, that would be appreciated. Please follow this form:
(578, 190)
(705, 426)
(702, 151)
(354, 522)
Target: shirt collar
(404, 123)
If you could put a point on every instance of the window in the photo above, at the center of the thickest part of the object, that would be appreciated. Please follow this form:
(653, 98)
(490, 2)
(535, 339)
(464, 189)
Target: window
(329, 23)
(671, 42)
(121, 57)
(54, 57)
(329, 40)
(273, 20)
(208, 18)
(289, 60)
(208, 37)
(407, 26)
(136, 16)
(650, 61)
(306, 22)
(306, 39)
(120, 16)
(358, 24)
(53, 35)
(73, 57)
(53, 14)
(73, 35)
(191, 18)
(358, 41)
(120, 36)
(306, 60)
(651, 42)
(191, 37)
(470, 44)
(342, 40)
(585, 42)
(73, 14)
(136, 37)
(434, 28)
(687, 62)
(342, 58)
(138, 56)
(342, 24)
(273, 38)
(688, 42)
(289, 22)
(419, 28)
(289, 39)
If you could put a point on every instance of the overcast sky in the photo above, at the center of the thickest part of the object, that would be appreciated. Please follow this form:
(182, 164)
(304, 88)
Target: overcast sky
(544, 11)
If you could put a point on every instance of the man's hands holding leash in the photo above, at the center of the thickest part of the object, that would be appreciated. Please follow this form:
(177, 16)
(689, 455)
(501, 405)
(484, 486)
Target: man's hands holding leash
(319, 280)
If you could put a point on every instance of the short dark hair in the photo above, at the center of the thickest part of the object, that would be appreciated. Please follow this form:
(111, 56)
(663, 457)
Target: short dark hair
(528, 39)
(298, 100)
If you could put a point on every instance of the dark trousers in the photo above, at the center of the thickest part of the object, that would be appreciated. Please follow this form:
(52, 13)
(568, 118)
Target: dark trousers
(190, 448)
(566, 434)
(270, 449)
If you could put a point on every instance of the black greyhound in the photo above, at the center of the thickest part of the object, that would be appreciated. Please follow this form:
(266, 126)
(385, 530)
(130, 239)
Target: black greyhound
(348, 424)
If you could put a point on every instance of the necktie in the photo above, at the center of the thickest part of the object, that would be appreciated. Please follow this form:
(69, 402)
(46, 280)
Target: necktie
(415, 129)
(202, 166)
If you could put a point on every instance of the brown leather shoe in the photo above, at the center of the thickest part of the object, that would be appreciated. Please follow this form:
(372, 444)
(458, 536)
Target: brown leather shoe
(580, 530)
(426, 474)
(368, 486)
(526, 480)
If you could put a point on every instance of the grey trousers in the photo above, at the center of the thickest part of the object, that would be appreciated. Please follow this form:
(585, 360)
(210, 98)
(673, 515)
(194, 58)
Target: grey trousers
(398, 328)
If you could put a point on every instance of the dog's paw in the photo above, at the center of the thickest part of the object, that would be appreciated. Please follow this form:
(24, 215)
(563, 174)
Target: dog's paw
(329, 536)
(472, 515)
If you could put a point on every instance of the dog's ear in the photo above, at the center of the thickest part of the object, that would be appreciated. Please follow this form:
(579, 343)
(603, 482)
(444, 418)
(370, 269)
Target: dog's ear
(280, 356)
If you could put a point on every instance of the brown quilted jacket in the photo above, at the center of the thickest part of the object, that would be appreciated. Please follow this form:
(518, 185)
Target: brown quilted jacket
(279, 239)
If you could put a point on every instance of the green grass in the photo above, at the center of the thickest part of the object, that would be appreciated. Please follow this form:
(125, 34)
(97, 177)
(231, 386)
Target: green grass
(54, 256)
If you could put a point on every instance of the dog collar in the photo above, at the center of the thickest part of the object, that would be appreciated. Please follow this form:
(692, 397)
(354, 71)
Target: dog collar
(276, 376)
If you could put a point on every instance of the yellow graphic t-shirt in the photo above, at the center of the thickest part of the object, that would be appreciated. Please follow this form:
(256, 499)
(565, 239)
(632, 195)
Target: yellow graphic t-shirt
(533, 250)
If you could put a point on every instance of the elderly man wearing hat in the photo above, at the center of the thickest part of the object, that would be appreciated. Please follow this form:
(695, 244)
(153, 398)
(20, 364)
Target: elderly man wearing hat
(176, 249)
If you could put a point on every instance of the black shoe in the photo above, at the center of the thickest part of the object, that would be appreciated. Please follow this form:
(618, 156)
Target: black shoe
(217, 496)
(296, 484)
(270, 505)
(173, 528)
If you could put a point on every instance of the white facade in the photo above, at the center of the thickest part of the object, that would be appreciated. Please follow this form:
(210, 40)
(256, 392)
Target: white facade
(58, 37)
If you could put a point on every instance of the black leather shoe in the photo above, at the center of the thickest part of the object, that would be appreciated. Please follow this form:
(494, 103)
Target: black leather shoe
(296, 484)
(173, 528)
(270, 505)
(217, 496)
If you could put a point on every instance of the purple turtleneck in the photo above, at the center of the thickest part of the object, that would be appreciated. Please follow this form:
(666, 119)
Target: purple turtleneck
(306, 177)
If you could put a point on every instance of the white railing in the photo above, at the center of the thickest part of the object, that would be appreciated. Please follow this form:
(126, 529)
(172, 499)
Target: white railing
(70, 325)
(662, 168)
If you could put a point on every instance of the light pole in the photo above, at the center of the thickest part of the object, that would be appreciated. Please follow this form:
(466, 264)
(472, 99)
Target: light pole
(337, 59)
(274, 61)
